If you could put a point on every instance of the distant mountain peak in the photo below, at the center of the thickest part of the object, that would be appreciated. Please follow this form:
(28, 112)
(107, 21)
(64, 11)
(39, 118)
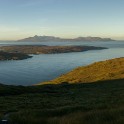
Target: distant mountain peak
(36, 36)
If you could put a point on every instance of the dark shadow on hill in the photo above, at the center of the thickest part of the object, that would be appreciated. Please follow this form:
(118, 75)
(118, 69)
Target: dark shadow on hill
(7, 90)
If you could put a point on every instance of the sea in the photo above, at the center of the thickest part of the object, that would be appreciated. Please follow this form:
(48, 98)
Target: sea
(46, 67)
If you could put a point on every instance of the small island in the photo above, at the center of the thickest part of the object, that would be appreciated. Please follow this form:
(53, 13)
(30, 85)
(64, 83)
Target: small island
(29, 49)
(13, 56)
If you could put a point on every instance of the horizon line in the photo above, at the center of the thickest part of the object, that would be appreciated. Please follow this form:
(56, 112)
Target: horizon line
(61, 37)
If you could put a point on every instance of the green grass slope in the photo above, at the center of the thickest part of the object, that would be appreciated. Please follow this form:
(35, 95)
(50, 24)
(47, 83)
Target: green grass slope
(99, 71)
(95, 103)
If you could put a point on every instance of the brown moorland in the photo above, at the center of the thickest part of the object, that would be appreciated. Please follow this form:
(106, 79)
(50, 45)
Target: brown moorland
(98, 71)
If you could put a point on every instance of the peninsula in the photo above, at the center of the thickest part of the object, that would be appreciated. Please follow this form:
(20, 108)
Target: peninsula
(13, 56)
(31, 49)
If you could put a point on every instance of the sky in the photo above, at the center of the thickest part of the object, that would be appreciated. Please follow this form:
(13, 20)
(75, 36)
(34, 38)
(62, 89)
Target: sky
(61, 18)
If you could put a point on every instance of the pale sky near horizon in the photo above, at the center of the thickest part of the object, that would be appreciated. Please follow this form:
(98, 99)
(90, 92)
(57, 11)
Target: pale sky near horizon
(63, 18)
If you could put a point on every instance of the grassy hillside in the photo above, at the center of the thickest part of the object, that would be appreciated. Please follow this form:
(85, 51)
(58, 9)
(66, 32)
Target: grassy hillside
(95, 103)
(99, 71)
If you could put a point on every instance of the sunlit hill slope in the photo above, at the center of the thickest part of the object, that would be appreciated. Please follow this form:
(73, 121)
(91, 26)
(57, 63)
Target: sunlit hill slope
(99, 71)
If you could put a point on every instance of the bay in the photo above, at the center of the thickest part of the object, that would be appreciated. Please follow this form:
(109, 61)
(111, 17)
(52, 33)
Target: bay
(45, 67)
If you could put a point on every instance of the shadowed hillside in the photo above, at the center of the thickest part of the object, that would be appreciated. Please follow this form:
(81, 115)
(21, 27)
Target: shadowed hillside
(105, 70)
(95, 103)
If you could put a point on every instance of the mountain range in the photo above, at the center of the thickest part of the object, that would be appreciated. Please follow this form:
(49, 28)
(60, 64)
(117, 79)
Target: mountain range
(52, 38)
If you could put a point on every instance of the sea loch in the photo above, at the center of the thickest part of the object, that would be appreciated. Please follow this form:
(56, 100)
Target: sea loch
(45, 67)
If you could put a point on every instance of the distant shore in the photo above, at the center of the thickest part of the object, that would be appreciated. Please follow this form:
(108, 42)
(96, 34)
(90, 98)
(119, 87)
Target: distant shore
(13, 56)
(30, 49)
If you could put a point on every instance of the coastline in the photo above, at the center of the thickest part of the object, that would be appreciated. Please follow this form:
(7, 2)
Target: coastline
(30, 49)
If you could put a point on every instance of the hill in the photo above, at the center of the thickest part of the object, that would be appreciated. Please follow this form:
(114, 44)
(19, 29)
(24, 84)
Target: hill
(52, 38)
(99, 71)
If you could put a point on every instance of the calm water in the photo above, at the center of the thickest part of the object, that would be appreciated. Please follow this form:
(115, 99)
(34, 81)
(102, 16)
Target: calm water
(46, 67)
